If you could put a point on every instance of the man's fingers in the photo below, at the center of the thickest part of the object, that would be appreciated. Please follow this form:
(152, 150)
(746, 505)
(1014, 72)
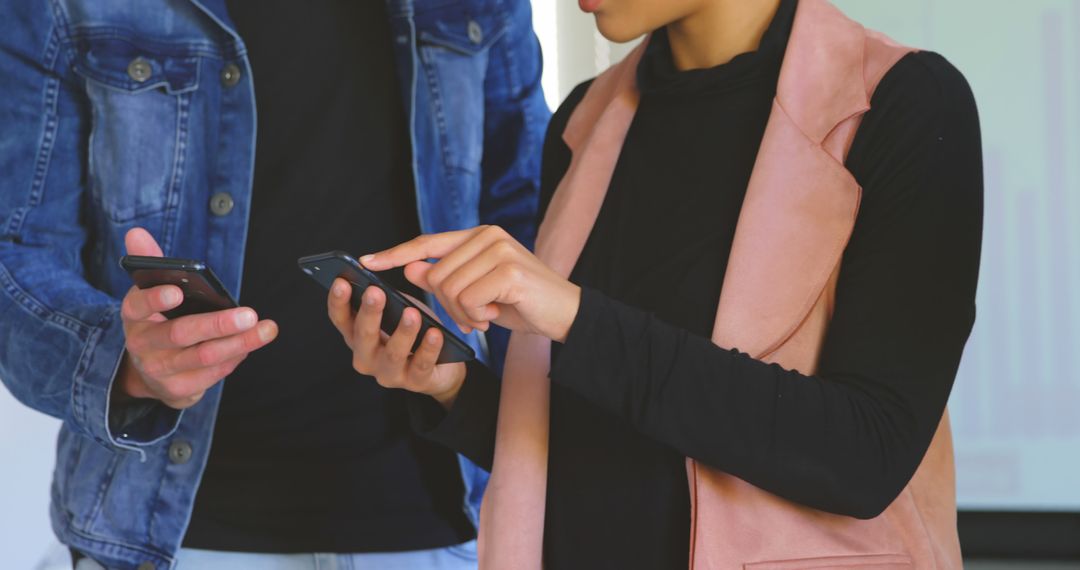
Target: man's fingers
(184, 403)
(418, 249)
(187, 388)
(339, 309)
(190, 330)
(141, 304)
(139, 242)
(218, 351)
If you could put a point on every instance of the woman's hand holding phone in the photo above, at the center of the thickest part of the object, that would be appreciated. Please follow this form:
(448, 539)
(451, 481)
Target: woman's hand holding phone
(176, 361)
(388, 358)
(482, 276)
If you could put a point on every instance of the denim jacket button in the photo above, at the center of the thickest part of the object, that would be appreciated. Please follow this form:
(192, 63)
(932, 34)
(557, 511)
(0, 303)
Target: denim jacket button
(230, 75)
(146, 566)
(221, 204)
(476, 33)
(139, 69)
(179, 452)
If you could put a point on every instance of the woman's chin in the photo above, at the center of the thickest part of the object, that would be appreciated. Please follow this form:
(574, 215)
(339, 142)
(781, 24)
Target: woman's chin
(618, 30)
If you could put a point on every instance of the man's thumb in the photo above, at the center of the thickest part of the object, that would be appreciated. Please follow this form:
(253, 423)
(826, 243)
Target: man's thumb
(139, 242)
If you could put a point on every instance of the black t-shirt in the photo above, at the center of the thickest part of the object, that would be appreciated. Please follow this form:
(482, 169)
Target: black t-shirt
(638, 386)
(308, 455)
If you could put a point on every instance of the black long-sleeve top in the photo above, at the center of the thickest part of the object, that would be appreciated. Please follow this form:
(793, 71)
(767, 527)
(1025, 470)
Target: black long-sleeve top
(638, 385)
(308, 455)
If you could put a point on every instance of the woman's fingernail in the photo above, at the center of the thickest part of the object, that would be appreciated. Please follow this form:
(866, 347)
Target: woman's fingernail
(367, 258)
(339, 290)
(408, 319)
(245, 319)
(432, 339)
(266, 332)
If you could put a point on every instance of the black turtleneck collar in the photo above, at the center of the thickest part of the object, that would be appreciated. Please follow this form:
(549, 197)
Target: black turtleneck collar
(657, 74)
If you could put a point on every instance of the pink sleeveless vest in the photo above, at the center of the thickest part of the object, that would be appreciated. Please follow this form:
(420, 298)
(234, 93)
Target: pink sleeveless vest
(776, 304)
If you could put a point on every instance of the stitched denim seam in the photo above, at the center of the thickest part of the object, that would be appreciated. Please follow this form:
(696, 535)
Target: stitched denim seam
(78, 407)
(46, 143)
(125, 87)
(431, 72)
(155, 512)
(39, 310)
(74, 459)
(103, 492)
(115, 546)
(50, 103)
(60, 22)
(515, 88)
(182, 49)
(179, 158)
(509, 54)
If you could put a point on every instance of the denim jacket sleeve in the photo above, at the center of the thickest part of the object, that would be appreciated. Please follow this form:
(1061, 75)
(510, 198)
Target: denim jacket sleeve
(61, 339)
(515, 120)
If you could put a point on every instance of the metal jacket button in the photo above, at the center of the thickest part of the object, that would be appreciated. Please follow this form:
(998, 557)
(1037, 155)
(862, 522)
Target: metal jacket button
(221, 204)
(139, 69)
(146, 566)
(180, 452)
(476, 33)
(230, 75)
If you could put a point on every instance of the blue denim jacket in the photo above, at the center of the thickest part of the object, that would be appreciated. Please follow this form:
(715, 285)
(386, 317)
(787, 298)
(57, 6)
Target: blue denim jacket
(92, 145)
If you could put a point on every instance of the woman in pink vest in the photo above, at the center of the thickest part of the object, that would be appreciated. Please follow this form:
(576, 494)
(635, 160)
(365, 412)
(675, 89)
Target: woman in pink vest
(751, 291)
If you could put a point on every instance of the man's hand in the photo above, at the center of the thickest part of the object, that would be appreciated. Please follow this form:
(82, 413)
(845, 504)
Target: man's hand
(178, 360)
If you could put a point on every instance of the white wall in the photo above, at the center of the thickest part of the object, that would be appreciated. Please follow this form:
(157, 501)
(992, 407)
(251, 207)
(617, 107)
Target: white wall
(573, 50)
(27, 442)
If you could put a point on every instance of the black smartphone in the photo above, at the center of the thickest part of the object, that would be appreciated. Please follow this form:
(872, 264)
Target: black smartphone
(325, 267)
(203, 291)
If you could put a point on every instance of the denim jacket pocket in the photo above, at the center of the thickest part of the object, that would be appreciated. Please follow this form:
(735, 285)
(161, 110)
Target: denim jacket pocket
(467, 32)
(139, 94)
(453, 49)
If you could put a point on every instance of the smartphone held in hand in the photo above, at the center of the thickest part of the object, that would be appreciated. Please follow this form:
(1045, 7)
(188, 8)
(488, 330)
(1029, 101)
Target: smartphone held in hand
(325, 267)
(203, 291)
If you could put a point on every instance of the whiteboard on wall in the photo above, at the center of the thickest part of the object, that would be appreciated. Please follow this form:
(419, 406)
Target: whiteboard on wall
(1016, 429)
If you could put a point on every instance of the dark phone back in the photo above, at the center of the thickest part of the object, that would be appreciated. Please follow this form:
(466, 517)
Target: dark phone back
(203, 292)
(326, 267)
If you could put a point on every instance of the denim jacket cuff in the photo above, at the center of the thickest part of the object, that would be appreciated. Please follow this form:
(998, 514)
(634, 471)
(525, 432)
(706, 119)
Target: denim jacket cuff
(131, 424)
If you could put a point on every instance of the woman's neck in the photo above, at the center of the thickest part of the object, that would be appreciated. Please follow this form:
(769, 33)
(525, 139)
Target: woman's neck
(719, 31)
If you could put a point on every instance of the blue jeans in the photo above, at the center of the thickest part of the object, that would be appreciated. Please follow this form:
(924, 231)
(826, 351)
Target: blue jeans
(458, 557)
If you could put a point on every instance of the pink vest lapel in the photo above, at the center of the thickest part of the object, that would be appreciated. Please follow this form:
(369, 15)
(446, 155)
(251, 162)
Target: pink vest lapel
(796, 218)
(801, 202)
(511, 535)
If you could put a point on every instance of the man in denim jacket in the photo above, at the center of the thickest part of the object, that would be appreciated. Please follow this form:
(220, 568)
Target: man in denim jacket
(116, 115)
